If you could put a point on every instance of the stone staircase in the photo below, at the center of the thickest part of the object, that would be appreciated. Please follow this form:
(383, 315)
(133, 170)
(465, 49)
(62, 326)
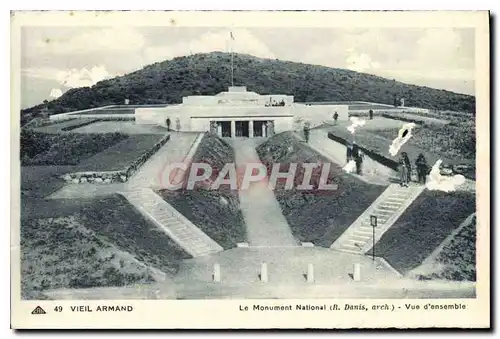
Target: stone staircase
(172, 222)
(388, 207)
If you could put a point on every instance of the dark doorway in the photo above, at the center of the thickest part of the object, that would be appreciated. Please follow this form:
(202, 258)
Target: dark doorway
(224, 129)
(242, 129)
(259, 128)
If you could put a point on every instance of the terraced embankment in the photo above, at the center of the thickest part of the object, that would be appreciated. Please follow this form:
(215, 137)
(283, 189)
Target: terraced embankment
(100, 242)
(216, 212)
(318, 216)
(431, 218)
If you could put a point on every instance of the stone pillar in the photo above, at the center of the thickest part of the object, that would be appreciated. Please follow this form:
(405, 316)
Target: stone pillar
(216, 275)
(356, 272)
(310, 273)
(270, 128)
(263, 272)
(219, 130)
(233, 128)
(250, 128)
(264, 129)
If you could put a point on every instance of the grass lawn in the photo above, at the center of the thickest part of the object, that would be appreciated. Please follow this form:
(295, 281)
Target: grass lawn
(40, 181)
(63, 149)
(58, 127)
(123, 153)
(423, 227)
(417, 118)
(317, 216)
(215, 212)
(91, 243)
(455, 141)
(125, 127)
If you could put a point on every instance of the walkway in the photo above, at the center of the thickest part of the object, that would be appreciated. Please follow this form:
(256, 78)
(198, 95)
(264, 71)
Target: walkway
(151, 174)
(171, 222)
(373, 172)
(388, 207)
(266, 225)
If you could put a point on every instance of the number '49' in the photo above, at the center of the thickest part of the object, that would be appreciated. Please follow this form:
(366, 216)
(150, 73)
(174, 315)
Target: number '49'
(58, 308)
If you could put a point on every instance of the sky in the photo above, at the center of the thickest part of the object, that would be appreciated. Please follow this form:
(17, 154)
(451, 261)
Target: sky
(55, 59)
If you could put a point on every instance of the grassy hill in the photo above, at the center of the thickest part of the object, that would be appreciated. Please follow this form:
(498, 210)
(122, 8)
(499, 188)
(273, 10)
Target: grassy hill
(208, 74)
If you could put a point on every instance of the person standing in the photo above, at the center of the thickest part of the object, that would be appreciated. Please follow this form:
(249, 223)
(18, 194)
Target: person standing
(371, 114)
(357, 155)
(335, 118)
(422, 168)
(177, 124)
(408, 166)
(306, 131)
(168, 124)
(403, 172)
(348, 152)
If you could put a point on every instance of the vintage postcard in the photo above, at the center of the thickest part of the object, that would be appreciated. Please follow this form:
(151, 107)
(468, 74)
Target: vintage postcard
(250, 170)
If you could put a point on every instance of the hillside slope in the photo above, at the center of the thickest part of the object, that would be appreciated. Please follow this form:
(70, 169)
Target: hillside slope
(208, 74)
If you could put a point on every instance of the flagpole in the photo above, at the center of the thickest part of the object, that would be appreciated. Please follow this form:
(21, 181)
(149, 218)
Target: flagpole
(232, 72)
(232, 60)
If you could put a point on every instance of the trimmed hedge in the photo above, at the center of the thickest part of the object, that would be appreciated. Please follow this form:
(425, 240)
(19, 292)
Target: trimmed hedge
(85, 123)
(398, 117)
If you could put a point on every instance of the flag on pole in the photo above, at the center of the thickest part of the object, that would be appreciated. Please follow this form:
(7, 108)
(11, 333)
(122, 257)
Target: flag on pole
(231, 35)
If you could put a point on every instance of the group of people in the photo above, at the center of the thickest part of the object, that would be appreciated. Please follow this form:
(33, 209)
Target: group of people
(404, 165)
(177, 124)
(276, 104)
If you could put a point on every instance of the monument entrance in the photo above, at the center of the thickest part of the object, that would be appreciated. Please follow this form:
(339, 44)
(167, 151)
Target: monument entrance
(224, 129)
(259, 128)
(242, 129)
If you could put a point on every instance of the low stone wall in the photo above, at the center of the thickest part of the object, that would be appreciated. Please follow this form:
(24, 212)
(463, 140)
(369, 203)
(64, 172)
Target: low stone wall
(109, 177)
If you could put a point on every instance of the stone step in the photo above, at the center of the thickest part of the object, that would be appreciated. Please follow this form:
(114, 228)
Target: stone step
(389, 206)
(187, 235)
(364, 229)
(395, 200)
(382, 212)
(361, 236)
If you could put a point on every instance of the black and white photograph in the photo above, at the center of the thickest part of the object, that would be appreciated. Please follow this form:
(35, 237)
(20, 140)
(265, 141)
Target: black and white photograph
(220, 160)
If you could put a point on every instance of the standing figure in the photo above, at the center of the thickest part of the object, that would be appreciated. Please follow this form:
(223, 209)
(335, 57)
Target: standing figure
(168, 124)
(348, 152)
(422, 168)
(306, 131)
(370, 113)
(408, 166)
(177, 124)
(357, 155)
(335, 117)
(403, 171)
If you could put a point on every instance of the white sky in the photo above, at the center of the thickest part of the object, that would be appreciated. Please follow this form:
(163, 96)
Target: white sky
(56, 59)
